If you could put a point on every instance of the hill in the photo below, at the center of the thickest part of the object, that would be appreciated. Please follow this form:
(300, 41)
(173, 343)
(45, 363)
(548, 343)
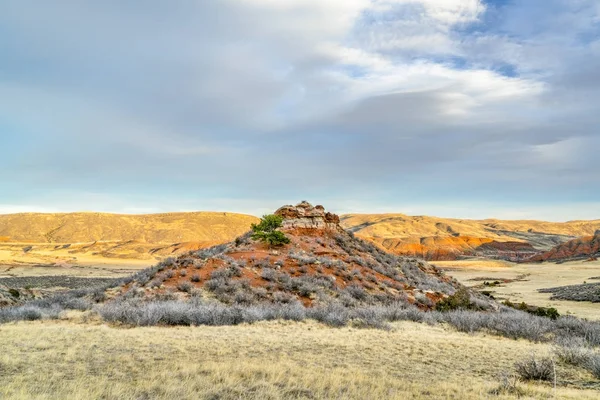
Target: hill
(158, 235)
(435, 238)
(86, 227)
(323, 264)
(587, 247)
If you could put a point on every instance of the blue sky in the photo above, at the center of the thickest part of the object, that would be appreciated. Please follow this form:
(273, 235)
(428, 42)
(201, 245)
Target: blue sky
(457, 108)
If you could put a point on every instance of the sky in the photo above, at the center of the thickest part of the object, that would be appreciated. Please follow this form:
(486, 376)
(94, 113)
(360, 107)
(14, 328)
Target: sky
(454, 108)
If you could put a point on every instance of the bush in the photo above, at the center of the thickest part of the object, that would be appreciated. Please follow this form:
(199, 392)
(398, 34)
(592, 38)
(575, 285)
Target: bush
(195, 278)
(509, 385)
(185, 287)
(461, 299)
(536, 369)
(266, 231)
(593, 365)
(550, 312)
(572, 350)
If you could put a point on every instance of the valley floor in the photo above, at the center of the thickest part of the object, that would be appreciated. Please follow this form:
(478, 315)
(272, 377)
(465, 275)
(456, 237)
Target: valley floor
(76, 359)
(526, 279)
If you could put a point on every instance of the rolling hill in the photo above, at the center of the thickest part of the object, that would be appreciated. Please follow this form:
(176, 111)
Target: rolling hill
(446, 239)
(586, 247)
(86, 227)
(159, 235)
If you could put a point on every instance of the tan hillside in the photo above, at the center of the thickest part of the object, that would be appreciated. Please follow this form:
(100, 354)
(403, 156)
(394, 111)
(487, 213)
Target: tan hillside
(445, 238)
(86, 227)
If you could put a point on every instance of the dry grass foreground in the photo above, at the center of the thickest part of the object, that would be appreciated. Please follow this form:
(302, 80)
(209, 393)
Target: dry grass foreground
(275, 360)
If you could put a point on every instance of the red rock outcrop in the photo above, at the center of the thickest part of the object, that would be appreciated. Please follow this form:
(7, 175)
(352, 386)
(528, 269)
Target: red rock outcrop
(455, 247)
(584, 247)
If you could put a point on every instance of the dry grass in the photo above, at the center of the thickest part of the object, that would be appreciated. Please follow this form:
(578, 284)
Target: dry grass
(276, 360)
(151, 228)
(473, 264)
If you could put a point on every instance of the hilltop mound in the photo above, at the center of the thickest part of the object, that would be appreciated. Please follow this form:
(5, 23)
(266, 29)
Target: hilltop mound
(322, 264)
(587, 247)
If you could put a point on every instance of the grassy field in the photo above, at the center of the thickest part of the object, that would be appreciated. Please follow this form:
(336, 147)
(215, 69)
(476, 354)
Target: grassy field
(275, 360)
(527, 279)
(47, 261)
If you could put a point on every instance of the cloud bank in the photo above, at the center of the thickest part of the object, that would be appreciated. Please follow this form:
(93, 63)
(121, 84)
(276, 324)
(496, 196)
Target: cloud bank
(465, 108)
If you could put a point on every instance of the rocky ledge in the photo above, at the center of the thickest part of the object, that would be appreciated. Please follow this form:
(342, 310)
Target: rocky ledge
(305, 216)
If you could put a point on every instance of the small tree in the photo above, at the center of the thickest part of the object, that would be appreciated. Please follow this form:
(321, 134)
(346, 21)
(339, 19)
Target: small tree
(266, 231)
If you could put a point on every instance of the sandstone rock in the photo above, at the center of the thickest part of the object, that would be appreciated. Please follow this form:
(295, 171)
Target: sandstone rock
(305, 216)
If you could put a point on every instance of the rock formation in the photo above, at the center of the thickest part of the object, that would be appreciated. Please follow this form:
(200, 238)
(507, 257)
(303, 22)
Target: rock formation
(305, 216)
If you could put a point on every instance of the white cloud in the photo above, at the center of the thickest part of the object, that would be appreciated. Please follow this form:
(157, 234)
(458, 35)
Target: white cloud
(353, 93)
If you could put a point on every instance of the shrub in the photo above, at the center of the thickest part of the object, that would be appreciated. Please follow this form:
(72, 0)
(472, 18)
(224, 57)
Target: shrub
(183, 273)
(185, 286)
(593, 365)
(266, 231)
(269, 274)
(282, 297)
(157, 282)
(550, 312)
(195, 278)
(536, 369)
(459, 300)
(572, 350)
(356, 292)
(509, 385)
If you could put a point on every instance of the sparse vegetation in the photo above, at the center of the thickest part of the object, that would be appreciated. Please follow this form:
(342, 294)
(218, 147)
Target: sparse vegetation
(185, 286)
(593, 365)
(536, 369)
(459, 300)
(584, 292)
(549, 312)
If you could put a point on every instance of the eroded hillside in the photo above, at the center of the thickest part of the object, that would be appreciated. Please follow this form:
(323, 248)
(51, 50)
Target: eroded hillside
(446, 239)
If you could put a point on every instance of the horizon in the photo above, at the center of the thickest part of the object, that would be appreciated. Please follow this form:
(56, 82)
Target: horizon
(265, 211)
(465, 109)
